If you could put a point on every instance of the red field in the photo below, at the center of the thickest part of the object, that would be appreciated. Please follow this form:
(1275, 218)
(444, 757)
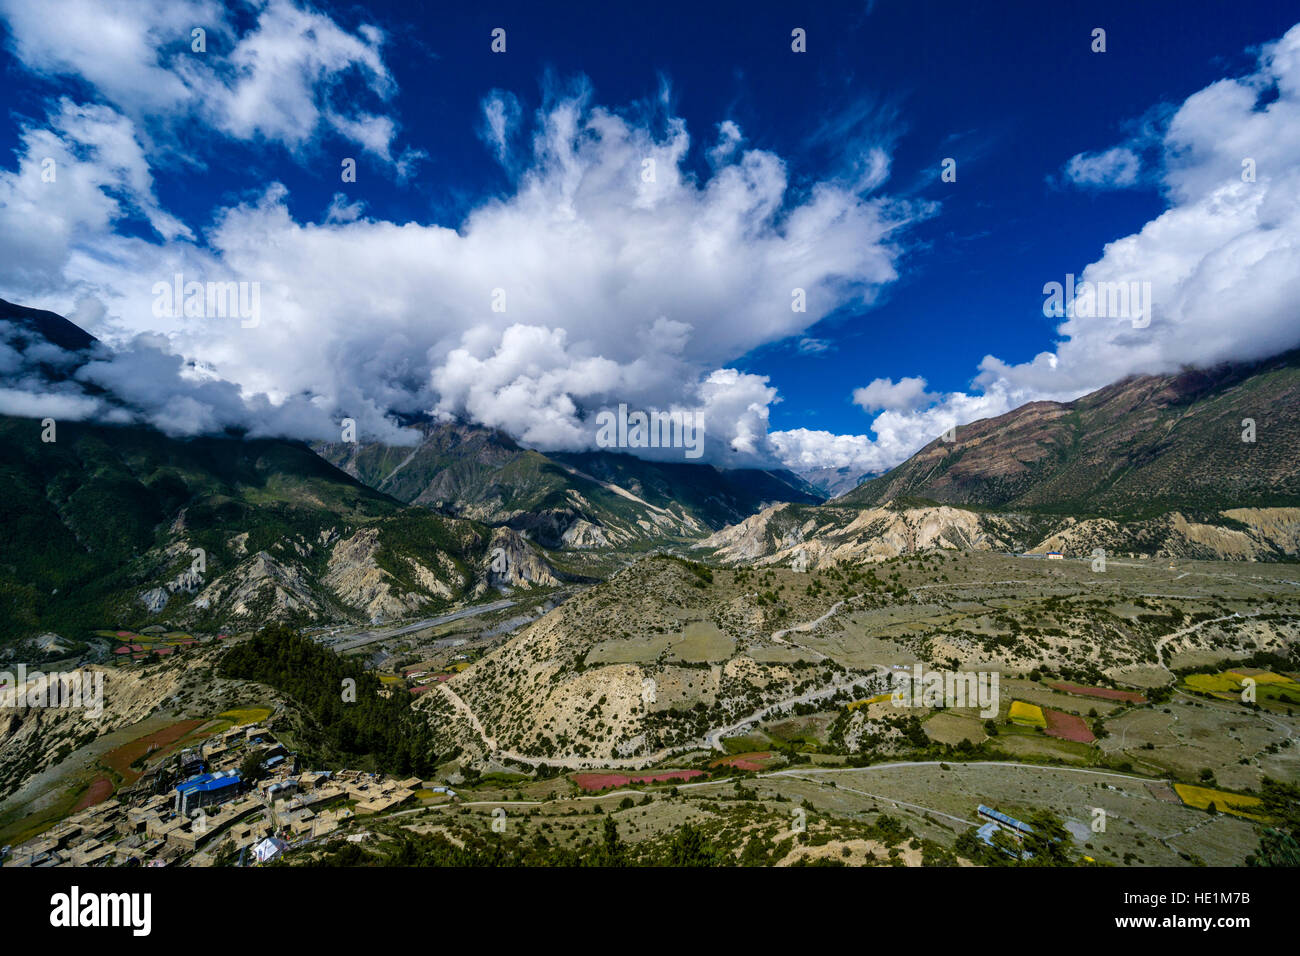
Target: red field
(1067, 727)
(749, 761)
(100, 789)
(121, 758)
(603, 781)
(1105, 693)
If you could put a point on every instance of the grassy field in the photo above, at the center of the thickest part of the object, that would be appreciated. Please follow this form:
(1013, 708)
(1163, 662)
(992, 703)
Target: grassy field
(1203, 797)
(1275, 691)
(240, 716)
(703, 641)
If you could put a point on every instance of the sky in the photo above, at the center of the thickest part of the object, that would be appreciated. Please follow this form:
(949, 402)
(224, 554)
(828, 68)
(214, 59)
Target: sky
(669, 207)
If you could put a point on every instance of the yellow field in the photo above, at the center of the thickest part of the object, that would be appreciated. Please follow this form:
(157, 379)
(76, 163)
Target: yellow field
(1228, 685)
(870, 700)
(246, 715)
(1202, 797)
(1028, 714)
(390, 679)
(1213, 683)
(1262, 677)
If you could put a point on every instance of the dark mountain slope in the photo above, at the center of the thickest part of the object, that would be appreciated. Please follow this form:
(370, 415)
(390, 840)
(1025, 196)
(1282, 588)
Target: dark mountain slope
(1142, 446)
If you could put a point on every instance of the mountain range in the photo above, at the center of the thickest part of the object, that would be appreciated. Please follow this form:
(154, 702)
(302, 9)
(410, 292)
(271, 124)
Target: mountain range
(1200, 463)
(103, 526)
(570, 500)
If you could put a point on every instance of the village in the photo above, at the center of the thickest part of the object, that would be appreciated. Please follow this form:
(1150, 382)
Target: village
(204, 804)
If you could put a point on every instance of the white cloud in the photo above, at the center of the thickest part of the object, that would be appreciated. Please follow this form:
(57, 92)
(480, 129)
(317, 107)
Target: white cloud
(501, 119)
(906, 394)
(802, 448)
(275, 80)
(729, 140)
(340, 210)
(1223, 263)
(1223, 260)
(284, 71)
(813, 346)
(1113, 169)
(616, 289)
(76, 177)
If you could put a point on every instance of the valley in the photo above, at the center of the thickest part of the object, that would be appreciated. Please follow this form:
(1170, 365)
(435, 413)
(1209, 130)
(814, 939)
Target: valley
(708, 659)
(769, 691)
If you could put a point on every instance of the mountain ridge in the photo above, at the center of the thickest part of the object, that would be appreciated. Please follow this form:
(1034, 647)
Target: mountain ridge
(1137, 447)
(587, 499)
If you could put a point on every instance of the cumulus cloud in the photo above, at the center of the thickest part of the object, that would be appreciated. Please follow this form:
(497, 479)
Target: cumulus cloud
(906, 394)
(610, 272)
(77, 176)
(144, 382)
(1222, 263)
(277, 79)
(803, 448)
(589, 285)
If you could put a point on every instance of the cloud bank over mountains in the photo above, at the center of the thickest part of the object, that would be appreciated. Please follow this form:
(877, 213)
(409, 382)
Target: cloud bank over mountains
(610, 272)
(1223, 263)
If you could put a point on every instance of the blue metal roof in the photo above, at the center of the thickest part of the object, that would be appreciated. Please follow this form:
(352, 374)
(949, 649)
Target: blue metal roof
(1003, 818)
(207, 782)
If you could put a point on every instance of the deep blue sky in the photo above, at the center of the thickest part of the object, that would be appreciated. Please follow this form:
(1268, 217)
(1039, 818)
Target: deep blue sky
(1011, 90)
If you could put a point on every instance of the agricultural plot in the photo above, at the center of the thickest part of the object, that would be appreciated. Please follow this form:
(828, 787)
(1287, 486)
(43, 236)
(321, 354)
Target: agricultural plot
(703, 641)
(952, 727)
(801, 733)
(745, 744)
(1037, 694)
(595, 782)
(133, 646)
(938, 802)
(1068, 727)
(1101, 693)
(1203, 798)
(697, 642)
(240, 716)
(754, 760)
(125, 761)
(775, 653)
(1031, 743)
(1187, 736)
(1027, 715)
(644, 650)
(1275, 691)
(867, 702)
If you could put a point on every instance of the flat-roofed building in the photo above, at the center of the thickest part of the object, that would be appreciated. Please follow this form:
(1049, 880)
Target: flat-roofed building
(205, 790)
